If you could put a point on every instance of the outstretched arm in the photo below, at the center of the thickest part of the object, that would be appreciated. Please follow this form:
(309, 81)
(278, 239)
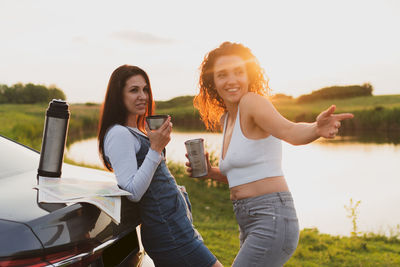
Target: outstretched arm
(265, 116)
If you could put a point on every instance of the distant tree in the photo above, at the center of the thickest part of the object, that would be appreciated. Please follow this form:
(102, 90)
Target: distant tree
(368, 88)
(10, 95)
(3, 89)
(55, 93)
(35, 93)
(18, 95)
(29, 93)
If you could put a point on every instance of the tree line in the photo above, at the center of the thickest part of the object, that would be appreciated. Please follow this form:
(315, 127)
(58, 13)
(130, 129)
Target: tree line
(29, 93)
(337, 92)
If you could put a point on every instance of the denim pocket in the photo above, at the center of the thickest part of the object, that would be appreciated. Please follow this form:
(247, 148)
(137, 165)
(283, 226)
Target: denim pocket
(262, 210)
(291, 235)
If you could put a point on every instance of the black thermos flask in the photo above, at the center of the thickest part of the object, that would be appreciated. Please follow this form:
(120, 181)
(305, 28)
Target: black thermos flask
(54, 139)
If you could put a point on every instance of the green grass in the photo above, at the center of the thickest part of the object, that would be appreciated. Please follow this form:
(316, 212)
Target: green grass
(316, 249)
(25, 122)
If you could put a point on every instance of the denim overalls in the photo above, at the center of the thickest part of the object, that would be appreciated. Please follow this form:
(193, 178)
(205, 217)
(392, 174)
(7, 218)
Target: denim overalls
(165, 213)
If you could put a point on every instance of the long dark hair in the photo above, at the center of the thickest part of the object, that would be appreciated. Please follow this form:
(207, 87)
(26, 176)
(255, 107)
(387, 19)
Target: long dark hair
(113, 110)
(207, 101)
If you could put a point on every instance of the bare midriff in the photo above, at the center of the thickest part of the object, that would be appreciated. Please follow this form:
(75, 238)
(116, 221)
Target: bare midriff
(260, 187)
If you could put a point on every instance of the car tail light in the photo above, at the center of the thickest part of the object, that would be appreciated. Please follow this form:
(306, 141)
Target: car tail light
(71, 257)
(73, 260)
(28, 262)
(112, 252)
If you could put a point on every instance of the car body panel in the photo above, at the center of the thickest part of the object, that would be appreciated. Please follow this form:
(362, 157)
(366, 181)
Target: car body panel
(18, 199)
(30, 228)
(13, 233)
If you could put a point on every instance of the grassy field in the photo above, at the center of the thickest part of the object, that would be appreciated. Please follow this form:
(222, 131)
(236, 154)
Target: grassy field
(291, 108)
(25, 122)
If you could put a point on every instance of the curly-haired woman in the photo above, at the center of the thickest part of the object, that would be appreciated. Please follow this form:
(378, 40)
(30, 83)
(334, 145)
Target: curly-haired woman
(233, 95)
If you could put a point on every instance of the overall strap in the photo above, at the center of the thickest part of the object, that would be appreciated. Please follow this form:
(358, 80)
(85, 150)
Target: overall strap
(139, 136)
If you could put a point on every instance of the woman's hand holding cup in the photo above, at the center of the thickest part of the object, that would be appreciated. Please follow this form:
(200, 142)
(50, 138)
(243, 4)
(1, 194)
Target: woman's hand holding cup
(160, 137)
(189, 169)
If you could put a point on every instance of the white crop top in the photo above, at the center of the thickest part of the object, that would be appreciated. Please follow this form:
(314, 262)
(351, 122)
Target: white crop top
(249, 160)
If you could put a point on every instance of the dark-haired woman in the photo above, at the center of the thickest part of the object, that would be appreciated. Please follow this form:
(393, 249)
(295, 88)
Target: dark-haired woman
(135, 154)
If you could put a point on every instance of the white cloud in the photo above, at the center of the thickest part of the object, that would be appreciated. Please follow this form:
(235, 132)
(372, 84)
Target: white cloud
(141, 37)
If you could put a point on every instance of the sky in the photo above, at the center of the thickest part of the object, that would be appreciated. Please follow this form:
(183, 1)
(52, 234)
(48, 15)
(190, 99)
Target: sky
(302, 45)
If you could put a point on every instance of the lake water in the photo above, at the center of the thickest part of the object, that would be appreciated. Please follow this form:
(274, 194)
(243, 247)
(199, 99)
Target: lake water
(322, 176)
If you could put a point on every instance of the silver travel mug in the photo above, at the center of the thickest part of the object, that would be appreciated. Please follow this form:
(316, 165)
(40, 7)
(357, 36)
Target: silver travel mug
(54, 139)
(195, 150)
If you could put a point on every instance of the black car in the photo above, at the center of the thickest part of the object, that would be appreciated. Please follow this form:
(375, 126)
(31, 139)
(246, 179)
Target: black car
(37, 234)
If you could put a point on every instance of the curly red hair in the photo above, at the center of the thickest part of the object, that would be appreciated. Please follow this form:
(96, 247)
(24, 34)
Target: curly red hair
(207, 101)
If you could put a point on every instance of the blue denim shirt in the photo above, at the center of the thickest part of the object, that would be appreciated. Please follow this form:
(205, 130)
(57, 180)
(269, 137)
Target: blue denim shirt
(164, 209)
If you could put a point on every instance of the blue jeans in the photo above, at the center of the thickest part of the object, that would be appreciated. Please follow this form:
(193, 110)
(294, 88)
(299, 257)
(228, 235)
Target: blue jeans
(269, 230)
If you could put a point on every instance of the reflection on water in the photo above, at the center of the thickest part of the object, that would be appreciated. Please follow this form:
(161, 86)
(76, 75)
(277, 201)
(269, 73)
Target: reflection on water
(322, 177)
(370, 137)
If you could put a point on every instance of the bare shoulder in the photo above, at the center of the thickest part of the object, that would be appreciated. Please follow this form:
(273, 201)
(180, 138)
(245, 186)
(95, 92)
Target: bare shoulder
(252, 101)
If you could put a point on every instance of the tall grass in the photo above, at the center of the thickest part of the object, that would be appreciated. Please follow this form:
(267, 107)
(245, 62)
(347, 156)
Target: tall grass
(25, 122)
(83, 122)
(369, 250)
